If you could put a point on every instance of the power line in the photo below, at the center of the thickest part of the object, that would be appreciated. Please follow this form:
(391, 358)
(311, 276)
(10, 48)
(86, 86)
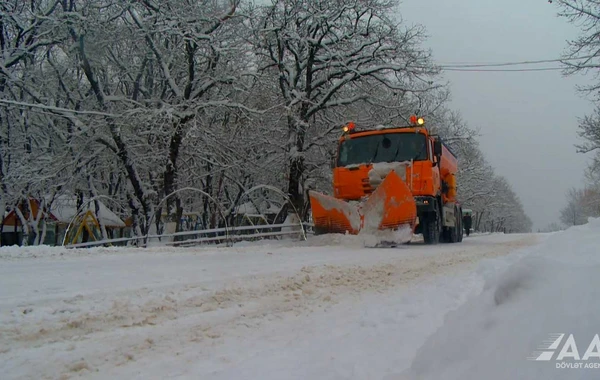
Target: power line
(503, 70)
(468, 65)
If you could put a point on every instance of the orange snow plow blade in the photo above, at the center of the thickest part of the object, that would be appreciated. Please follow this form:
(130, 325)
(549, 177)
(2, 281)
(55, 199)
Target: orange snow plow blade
(331, 215)
(389, 207)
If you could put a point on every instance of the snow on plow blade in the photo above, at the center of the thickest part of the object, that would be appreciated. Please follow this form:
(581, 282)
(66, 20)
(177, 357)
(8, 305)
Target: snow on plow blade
(331, 215)
(390, 207)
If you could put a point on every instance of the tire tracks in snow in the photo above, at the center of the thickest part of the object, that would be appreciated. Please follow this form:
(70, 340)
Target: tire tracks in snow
(143, 320)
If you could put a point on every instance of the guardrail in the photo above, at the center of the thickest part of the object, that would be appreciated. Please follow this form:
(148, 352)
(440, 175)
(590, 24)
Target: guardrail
(230, 234)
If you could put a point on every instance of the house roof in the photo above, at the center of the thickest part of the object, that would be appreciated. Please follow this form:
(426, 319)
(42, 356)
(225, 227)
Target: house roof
(63, 209)
(249, 209)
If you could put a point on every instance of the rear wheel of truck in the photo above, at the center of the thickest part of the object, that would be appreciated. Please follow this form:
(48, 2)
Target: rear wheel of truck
(431, 229)
(453, 235)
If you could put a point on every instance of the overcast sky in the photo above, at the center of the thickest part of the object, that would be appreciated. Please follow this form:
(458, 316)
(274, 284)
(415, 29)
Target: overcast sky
(528, 120)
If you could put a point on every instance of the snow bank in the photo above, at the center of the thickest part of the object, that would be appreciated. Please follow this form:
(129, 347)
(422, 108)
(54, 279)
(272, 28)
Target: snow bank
(44, 251)
(12, 253)
(553, 289)
(15, 251)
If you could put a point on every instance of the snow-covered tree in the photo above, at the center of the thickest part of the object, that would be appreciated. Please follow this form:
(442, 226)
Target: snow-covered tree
(552, 227)
(328, 54)
(582, 56)
(573, 213)
(137, 100)
(581, 204)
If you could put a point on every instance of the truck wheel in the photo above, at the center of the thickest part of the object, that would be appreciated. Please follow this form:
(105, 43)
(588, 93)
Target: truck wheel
(454, 238)
(431, 229)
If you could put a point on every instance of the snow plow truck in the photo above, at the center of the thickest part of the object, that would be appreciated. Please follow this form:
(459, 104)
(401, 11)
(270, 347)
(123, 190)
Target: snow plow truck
(391, 179)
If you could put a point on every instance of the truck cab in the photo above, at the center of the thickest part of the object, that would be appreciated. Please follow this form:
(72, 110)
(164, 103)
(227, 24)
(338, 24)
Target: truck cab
(425, 164)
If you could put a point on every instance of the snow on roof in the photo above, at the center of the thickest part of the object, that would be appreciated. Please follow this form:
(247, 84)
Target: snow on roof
(249, 209)
(273, 209)
(246, 208)
(64, 208)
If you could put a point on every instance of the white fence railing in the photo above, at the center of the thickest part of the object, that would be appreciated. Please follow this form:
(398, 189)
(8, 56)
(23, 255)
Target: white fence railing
(227, 235)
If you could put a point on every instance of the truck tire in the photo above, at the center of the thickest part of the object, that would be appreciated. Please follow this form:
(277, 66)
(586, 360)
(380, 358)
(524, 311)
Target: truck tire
(455, 235)
(431, 229)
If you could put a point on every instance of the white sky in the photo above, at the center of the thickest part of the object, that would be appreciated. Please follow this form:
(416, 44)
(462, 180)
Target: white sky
(528, 120)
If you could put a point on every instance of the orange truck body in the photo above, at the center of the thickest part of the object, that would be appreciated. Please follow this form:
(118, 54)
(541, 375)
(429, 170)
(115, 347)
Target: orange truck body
(391, 178)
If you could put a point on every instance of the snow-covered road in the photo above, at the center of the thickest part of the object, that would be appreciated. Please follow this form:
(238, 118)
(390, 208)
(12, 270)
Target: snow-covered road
(312, 310)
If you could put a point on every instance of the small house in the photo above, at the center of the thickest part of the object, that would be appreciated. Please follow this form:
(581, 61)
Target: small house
(59, 218)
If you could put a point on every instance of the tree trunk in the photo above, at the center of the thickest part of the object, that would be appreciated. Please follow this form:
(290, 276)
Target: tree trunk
(295, 192)
(174, 210)
(21, 215)
(296, 163)
(122, 149)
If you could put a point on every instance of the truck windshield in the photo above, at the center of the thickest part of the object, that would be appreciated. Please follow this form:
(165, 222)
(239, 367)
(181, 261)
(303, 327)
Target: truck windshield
(390, 147)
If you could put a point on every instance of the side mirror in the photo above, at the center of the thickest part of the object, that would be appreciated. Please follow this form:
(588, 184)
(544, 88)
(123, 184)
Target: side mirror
(332, 162)
(437, 148)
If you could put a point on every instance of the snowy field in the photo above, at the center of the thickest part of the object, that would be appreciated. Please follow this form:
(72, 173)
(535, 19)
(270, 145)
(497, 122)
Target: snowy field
(309, 310)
